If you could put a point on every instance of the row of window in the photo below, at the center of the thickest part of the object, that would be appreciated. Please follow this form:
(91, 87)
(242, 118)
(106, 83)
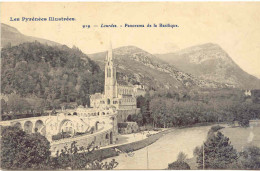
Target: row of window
(125, 91)
(128, 100)
(94, 114)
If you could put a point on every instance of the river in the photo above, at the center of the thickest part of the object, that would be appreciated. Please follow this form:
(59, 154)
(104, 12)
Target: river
(164, 150)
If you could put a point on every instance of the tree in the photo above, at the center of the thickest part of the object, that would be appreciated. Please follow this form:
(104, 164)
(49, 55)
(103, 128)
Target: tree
(180, 164)
(250, 158)
(56, 75)
(3, 106)
(218, 152)
(32, 151)
(23, 151)
(181, 157)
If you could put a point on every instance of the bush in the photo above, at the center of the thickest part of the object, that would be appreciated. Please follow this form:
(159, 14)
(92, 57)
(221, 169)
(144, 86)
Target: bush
(122, 125)
(80, 133)
(61, 135)
(179, 166)
(89, 158)
(244, 122)
(250, 158)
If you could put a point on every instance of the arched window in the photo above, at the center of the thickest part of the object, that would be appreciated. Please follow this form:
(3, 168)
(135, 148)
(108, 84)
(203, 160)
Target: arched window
(109, 72)
(96, 125)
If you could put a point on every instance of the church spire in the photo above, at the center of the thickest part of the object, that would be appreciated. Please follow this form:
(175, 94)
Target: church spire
(110, 75)
(110, 53)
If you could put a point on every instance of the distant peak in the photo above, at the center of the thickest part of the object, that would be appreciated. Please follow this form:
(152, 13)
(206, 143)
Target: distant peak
(5, 27)
(205, 45)
(130, 47)
(210, 45)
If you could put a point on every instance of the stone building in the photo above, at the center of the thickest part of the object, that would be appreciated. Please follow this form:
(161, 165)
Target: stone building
(128, 127)
(121, 97)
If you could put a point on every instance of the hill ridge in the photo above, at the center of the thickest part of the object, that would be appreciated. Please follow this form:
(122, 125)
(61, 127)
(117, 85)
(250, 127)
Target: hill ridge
(210, 61)
(11, 36)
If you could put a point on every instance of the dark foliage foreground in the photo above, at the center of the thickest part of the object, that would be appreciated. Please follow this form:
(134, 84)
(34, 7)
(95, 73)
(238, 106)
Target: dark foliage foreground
(32, 151)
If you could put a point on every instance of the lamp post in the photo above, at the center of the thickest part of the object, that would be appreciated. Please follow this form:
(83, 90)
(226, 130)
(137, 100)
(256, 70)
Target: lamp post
(203, 157)
(147, 156)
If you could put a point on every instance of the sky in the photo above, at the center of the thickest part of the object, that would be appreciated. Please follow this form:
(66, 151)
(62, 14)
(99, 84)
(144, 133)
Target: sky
(234, 26)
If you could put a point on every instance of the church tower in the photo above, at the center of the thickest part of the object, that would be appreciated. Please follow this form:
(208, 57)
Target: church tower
(110, 78)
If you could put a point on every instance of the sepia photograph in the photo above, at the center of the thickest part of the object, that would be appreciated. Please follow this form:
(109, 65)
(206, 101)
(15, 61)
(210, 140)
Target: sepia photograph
(130, 85)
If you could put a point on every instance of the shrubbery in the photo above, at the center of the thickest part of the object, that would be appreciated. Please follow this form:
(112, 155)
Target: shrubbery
(61, 135)
(250, 158)
(179, 166)
(80, 158)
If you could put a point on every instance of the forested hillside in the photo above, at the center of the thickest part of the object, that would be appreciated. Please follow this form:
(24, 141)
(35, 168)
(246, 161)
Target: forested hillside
(53, 75)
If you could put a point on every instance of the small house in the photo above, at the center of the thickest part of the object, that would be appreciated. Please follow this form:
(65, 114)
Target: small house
(128, 127)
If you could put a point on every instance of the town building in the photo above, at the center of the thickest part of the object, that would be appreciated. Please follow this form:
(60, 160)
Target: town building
(128, 127)
(254, 123)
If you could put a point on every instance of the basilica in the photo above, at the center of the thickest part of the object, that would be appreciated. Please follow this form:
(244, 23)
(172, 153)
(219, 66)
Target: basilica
(120, 97)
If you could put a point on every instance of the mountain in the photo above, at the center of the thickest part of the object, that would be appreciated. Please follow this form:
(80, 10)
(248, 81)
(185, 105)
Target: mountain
(141, 67)
(204, 66)
(211, 62)
(11, 36)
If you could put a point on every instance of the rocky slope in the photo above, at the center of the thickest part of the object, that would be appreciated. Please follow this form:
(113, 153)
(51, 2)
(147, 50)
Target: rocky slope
(140, 66)
(211, 62)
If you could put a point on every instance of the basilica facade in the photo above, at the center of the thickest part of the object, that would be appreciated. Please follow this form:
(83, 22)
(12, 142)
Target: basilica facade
(120, 97)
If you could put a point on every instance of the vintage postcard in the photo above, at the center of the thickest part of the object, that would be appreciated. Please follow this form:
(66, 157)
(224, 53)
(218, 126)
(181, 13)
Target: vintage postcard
(130, 85)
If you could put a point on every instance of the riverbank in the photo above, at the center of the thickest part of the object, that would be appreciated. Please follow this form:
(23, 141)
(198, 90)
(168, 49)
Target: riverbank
(127, 149)
(163, 151)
